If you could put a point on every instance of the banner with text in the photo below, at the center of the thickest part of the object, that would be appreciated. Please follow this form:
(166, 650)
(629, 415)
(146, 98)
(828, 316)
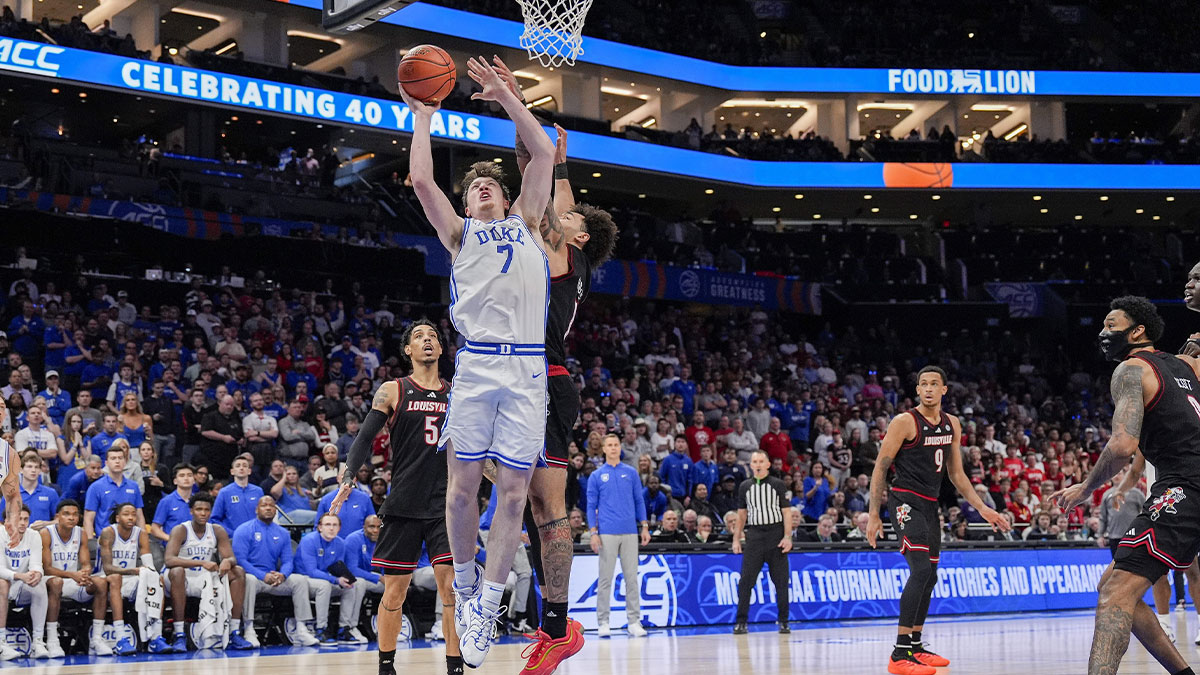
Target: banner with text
(702, 589)
(651, 280)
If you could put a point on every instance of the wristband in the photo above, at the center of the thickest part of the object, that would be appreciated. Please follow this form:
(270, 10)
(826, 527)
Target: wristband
(560, 171)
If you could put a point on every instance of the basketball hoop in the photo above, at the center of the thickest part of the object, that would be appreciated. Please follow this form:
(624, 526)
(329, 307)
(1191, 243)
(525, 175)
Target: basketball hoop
(553, 30)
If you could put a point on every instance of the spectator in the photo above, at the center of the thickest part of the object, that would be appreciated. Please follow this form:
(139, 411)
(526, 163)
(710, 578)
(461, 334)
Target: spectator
(320, 557)
(817, 490)
(840, 460)
(825, 530)
(260, 431)
(655, 498)
(78, 486)
(859, 533)
(237, 502)
(668, 531)
(175, 507)
(58, 402)
(42, 501)
(294, 499)
(329, 473)
(618, 514)
(676, 470)
(662, 441)
(221, 430)
(264, 550)
(698, 436)
(36, 437)
(91, 417)
(705, 471)
(298, 437)
(741, 441)
(111, 489)
(776, 443)
(193, 421)
(360, 548)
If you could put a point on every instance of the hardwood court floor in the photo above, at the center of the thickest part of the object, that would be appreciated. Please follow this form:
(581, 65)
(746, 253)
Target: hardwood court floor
(1029, 644)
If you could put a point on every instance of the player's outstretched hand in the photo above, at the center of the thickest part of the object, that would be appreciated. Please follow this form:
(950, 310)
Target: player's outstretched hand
(998, 521)
(874, 529)
(506, 74)
(560, 145)
(483, 73)
(416, 106)
(340, 498)
(1069, 497)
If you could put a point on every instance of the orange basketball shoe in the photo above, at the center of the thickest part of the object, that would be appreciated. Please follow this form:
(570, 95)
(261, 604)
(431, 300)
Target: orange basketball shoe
(546, 654)
(930, 659)
(906, 667)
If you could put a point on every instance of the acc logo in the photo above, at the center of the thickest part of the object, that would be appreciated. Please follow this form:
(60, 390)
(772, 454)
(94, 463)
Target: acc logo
(1166, 502)
(660, 598)
(903, 514)
(689, 284)
(29, 57)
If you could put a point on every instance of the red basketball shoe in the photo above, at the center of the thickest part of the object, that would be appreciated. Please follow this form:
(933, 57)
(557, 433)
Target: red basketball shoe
(546, 654)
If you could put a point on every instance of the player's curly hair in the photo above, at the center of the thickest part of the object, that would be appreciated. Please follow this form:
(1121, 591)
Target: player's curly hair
(407, 336)
(484, 170)
(1142, 312)
(602, 233)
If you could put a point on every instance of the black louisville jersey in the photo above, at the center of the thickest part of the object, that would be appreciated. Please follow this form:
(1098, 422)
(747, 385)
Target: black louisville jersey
(1170, 437)
(921, 462)
(567, 292)
(418, 469)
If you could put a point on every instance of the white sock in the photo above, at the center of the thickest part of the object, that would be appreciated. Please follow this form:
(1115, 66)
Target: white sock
(52, 631)
(97, 627)
(465, 574)
(492, 595)
(119, 629)
(235, 624)
(180, 627)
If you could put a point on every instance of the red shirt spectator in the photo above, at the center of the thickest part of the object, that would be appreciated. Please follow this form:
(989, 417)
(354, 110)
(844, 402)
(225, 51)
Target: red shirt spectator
(698, 435)
(1016, 468)
(776, 443)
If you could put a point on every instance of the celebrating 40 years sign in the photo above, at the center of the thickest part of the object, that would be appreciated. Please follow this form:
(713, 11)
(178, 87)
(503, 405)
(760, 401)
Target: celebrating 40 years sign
(679, 589)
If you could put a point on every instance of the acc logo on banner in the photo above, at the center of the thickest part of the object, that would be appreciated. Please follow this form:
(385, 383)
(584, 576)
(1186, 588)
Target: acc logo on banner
(659, 597)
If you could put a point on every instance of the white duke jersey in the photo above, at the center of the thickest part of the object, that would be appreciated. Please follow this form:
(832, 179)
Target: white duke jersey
(64, 555)
(500, 284)
(4, 468)
(19, 559)
(198, 548)
(125, 551)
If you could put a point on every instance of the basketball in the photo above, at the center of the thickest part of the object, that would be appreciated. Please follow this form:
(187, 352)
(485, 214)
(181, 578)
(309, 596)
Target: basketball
(917, 175)
(427, 73)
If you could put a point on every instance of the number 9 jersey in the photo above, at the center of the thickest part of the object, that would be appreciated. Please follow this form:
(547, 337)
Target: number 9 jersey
(921, 462)
(419, 476)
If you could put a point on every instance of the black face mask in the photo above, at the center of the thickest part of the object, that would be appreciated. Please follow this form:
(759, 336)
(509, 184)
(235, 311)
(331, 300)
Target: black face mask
(1115, 345)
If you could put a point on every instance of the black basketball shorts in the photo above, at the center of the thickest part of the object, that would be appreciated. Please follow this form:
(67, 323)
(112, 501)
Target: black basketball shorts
(915, 522)
(562, 413)
(1166, 535)
(400, 540)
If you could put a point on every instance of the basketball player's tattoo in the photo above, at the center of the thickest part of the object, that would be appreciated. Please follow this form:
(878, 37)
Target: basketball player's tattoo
(878, 483)
(381, 400)
(489, 470)
(552, 231)
(1126, 424)
(391, 609)
(522, 151)
(557, 550)
(1110, 640)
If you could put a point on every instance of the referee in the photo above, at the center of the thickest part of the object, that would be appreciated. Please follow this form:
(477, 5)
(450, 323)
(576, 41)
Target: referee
(761, 503)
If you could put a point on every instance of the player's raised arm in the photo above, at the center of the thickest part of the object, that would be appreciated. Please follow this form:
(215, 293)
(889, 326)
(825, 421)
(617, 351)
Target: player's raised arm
(536, 182)
(963, 484)
(440, 212)
(901, 429)
(1128, 392)
(360, 450)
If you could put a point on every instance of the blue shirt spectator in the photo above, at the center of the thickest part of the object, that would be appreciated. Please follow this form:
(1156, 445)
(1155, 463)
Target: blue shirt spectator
(656, 501)
(235, 504)
(26, 333)
(171, 511)
(616, 504)
(676, 471)
(56, 356)
(705, 471)
(354, 511)
(57, 403)
(106, 493)
(102, 441)
(41, 502)
(74, 369)
(686, 388)
(359, 551)
(814, 506)
(77, 487)
(315, 554)
(263, 547)
(97, 372)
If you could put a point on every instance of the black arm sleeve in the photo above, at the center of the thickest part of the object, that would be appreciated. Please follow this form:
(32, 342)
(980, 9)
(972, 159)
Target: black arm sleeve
(360, 449)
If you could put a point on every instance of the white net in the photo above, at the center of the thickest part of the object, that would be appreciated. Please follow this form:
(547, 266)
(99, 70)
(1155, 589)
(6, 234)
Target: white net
(553, 30)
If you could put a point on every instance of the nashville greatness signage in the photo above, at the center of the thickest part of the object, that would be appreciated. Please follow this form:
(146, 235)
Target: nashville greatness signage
(680, 589)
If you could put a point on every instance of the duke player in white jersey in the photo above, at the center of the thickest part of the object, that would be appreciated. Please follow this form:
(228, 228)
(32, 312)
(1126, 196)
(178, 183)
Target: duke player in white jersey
(10, 482)
(189, 556)
(124, 550)
(22, 581)
(68, 565)
(499, 286)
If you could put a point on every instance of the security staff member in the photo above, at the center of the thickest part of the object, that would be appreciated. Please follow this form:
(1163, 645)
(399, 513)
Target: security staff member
(762, 503)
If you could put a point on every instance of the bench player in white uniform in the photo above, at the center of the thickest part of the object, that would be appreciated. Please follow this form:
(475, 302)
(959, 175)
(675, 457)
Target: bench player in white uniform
(23, 582)
(68, 565)
(124, 550)
(10, 481)
(500, 287)
(189, 556)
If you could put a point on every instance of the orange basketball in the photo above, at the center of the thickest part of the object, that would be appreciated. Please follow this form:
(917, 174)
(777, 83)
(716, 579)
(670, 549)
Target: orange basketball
(918, 175)
(427, 73)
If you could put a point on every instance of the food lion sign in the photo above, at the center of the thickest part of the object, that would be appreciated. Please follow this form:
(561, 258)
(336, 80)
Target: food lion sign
(961, 81)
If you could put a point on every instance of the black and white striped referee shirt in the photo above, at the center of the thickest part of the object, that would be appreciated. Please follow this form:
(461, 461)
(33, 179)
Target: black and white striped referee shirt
(764, 500)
